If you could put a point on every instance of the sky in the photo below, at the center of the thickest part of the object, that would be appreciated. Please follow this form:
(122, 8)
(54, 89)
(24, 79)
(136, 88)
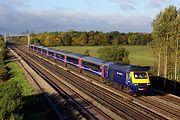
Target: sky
(18, 16)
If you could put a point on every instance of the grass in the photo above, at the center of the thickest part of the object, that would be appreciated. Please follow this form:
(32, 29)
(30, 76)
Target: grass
(17, 74)
(32, 108)
(139, 55)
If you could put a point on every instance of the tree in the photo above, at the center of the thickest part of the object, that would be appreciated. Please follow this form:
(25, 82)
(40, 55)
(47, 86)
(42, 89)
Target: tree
(133, 38)
(66, 39)
(83, 39)
(36, 41)
(3, 71)
(117, 54)
(11, 99)
(165, 34)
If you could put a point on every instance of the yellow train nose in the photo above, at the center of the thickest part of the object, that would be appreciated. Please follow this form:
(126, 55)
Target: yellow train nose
(140, 77)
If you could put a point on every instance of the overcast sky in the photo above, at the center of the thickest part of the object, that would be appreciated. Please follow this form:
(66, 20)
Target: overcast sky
(83, 15)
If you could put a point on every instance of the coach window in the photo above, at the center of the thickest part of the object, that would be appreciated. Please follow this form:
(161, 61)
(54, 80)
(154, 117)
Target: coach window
(51, 53)
(74, 60)
(39, 49)
(44, 51)
(59, 56)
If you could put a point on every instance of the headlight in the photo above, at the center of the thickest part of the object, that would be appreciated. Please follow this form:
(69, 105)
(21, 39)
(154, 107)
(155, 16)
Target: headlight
(136, 84)
(148, 83)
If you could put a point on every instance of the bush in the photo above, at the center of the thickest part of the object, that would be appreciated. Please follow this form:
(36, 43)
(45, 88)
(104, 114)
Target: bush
(2, 56)
(117, 54)
(3, 73)
(10, 102)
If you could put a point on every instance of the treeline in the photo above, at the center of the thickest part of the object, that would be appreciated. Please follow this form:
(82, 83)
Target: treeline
(91, 38)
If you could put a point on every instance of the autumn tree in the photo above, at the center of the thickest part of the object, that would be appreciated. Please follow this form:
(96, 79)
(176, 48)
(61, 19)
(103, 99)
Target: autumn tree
(83, 39)
(66, 39)
(91, 39)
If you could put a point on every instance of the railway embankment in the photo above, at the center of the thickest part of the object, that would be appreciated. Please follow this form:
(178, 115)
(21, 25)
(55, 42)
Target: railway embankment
(18, 99)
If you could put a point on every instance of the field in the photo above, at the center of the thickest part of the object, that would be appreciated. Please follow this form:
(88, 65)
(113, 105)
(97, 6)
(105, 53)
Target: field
(139, 55)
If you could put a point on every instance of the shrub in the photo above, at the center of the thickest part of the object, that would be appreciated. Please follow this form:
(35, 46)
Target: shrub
(10, 102)
(117, 54)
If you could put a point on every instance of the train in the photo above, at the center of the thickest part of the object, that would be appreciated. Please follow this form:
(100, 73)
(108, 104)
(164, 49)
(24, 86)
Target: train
(131, 78)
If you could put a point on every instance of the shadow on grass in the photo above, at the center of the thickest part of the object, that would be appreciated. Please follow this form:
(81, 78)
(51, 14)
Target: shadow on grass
(36, 107)
(9, 74)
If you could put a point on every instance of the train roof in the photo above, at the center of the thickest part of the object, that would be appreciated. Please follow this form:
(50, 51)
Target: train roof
(94, 60)
(45, 48)
(127, 67)
(50, 49)
(108, 64)
(75, 55)
(40, 46)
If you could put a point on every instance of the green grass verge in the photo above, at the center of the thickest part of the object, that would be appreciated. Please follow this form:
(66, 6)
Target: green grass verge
(32, 109)
(16, 74)
(139, 55)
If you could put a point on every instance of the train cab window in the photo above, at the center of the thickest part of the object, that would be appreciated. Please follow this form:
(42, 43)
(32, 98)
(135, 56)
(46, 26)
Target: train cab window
(140, 75)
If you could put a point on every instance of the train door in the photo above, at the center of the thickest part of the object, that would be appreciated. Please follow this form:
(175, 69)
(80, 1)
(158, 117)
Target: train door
(128, 78)
(111, 75)
(106, 72)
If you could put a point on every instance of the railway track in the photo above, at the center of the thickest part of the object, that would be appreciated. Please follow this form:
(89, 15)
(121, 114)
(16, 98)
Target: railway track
(84, 107)
(127, 109)
(167, 97)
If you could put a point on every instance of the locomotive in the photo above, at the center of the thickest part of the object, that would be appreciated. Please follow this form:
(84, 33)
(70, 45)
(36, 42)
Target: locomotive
(132, 78)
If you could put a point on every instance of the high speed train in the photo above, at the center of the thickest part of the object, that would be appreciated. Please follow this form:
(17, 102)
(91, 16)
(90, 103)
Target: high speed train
(133, 78)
